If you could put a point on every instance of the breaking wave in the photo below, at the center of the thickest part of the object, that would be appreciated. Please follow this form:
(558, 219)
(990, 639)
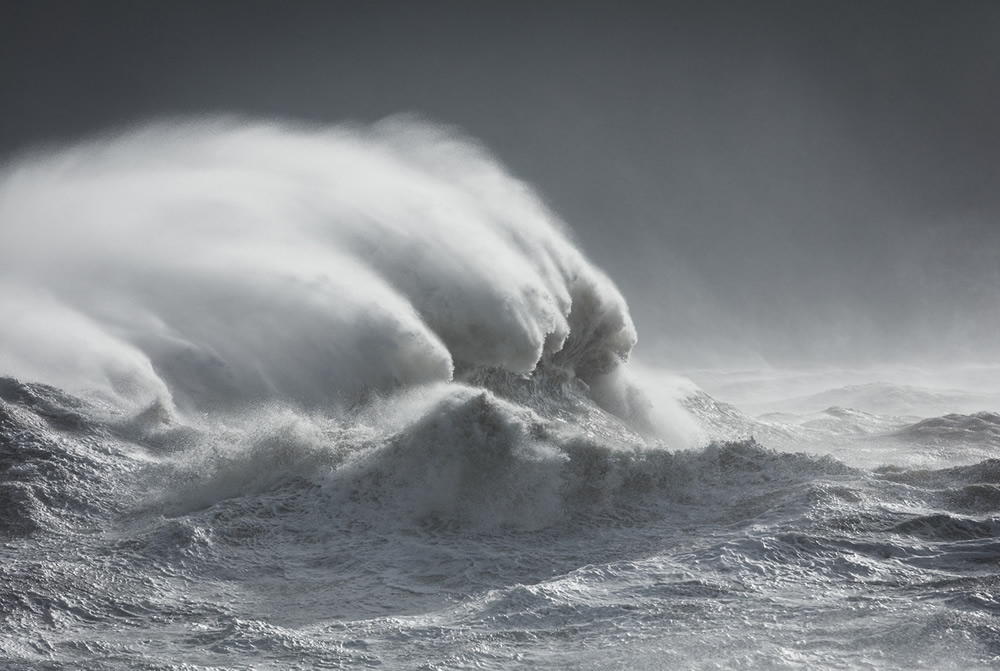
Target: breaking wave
(358, 387)
(212, 265)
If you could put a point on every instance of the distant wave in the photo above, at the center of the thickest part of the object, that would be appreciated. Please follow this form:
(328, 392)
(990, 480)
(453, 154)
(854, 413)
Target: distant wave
(884, 398)
(981, 428)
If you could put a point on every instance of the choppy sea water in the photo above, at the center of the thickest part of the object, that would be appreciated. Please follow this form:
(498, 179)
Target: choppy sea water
(347, 398)
(478, 533)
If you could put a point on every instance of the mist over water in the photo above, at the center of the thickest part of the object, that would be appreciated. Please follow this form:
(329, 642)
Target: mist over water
(289, 396)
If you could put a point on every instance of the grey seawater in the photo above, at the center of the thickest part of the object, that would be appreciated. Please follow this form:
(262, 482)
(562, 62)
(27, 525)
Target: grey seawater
(462, 527)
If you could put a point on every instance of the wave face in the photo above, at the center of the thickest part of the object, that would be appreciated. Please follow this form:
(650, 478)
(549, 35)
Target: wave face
(278, 397)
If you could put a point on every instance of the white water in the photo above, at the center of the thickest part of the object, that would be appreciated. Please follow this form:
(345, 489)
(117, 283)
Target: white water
(348, 397)
(210, 264)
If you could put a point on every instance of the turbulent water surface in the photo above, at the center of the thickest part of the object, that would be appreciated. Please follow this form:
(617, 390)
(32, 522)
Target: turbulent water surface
(284, 397)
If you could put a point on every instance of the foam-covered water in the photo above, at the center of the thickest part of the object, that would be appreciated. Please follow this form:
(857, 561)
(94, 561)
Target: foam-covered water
(278, 397)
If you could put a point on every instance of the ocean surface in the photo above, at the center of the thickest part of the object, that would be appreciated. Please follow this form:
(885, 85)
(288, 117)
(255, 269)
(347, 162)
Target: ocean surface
(280, 397)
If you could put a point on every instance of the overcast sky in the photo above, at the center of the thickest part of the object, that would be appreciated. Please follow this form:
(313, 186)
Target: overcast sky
(786, 182)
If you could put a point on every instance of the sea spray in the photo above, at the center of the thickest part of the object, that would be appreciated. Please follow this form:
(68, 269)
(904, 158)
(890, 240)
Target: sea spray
(211, 265)
(349, 397)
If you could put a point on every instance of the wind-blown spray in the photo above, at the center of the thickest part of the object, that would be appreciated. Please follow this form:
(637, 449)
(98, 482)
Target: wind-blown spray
(207, 265)
(350, 397)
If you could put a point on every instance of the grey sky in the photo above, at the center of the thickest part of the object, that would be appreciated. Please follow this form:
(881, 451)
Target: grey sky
(802, 182)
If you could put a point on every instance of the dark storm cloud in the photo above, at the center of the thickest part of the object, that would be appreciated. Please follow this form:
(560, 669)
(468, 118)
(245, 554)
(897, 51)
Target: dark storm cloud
(802, 181)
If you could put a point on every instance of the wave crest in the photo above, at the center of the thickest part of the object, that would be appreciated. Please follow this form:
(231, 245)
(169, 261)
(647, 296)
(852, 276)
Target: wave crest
(216, 264)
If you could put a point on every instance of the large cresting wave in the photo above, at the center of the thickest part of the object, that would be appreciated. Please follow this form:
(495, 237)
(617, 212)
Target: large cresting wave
(211, 265)
(276, 396)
